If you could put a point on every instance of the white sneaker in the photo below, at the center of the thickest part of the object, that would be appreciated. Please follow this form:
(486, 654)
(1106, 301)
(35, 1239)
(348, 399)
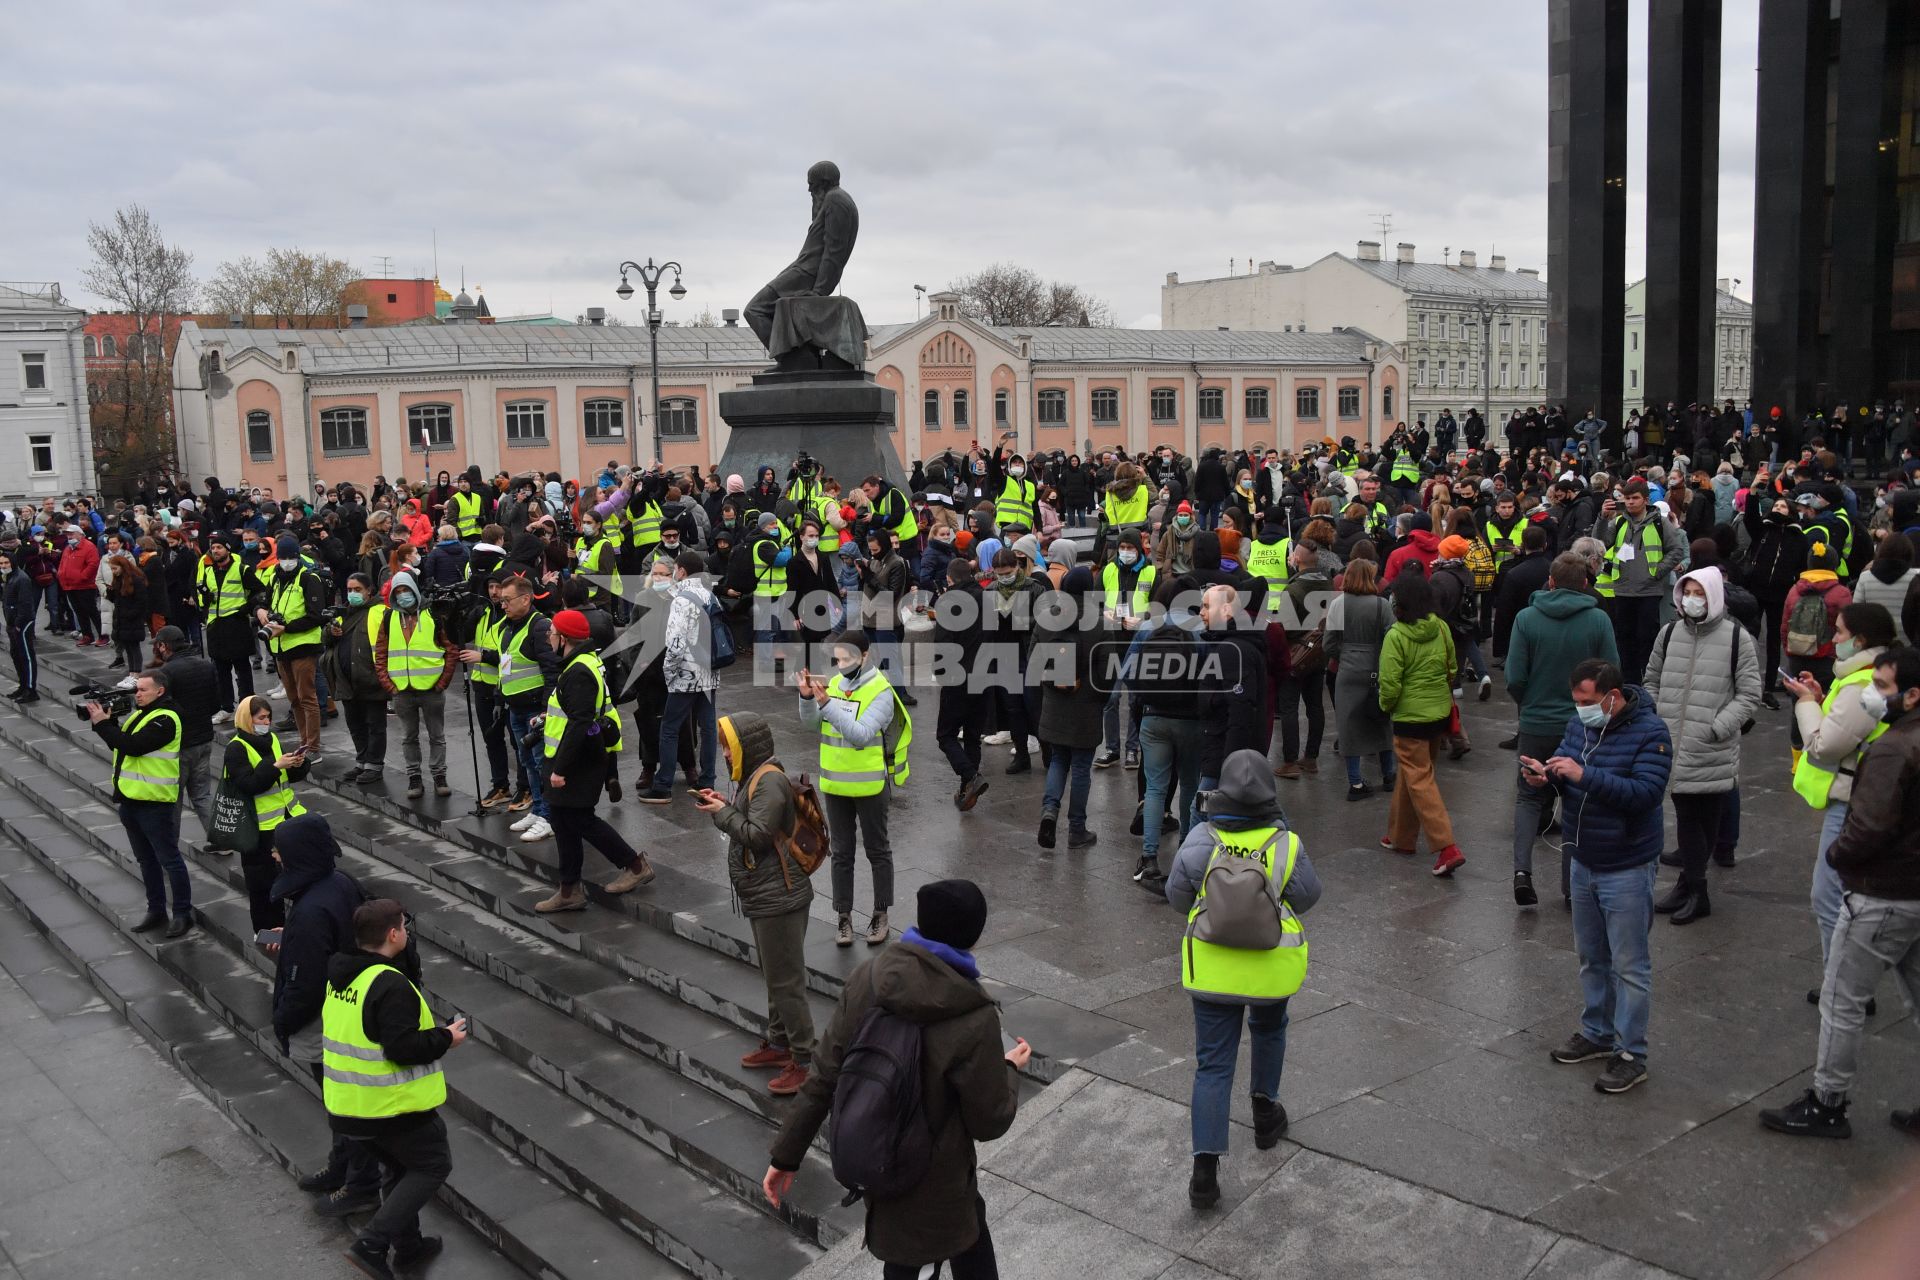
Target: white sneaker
(1033, 744)
(525, 820)
(127, 683)
(540, 830)
(1000, 739)
(223, 717)
(278, 691)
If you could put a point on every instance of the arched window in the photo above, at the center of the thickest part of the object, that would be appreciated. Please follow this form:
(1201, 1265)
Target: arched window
(605, 419)
(429, 426)
(213, 361)
(960, 415)
(1386, 402)
(680, 419)
(930, 410)
(107, 346)
(260, 435)
(93, 348)
(291, 361)
(343, 431)
(1000, 409)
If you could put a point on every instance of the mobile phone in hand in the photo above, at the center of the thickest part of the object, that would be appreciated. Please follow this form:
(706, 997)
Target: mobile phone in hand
(267, 938)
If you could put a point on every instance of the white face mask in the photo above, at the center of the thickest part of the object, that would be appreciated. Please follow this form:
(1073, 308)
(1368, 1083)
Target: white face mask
(1129, 556)
(661, 584)
(810, 542)
(1694, 606)
(1873, 702)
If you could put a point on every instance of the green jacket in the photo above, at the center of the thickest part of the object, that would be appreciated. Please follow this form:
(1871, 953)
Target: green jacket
(1417, 663)
(1556, 632)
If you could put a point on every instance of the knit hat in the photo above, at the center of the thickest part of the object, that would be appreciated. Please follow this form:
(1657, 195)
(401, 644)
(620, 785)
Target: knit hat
(736, 485)
(953, 912)
(1822, 554)
(767, 520)
(1421, 522)
(1454, 547)
(1184, 509)
(286, 547)
(572, 624)
(963, 539)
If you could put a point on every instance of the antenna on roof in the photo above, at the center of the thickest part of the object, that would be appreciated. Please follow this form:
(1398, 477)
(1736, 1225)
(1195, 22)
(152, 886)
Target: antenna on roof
(436, 255)
(1384, 223)
(386, 265)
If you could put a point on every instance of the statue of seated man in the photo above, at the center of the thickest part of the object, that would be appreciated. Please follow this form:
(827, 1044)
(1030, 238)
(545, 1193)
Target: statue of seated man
(823, 256)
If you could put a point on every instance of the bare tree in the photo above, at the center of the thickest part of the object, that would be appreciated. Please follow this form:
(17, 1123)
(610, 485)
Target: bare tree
(296, 288)
(138, 272)
(1006, 294)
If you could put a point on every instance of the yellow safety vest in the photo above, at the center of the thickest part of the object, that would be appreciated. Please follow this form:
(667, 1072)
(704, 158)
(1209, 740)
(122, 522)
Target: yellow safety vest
(1210, 969)
(223, 595)
(1814, 781)
(155, 776)
(1015, 505)
(1124, 513)
(357, 1079)
(1405, 469)
(1268, 560)
(1142, 588)
(643, 530)
(289, 600)
(487, 634)
(906, 526)
(769, 579)
(271, 808)
(416, 661)
(1346, 462)
(1506, 544)
(519, 673)
(830, 538)
(592, 559)
(466, 514)
(1652, 541)
(614, 528)
(555, 726)
(868, 770)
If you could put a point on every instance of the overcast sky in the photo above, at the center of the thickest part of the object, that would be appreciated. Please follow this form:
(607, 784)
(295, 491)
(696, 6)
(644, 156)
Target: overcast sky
(1105, 144)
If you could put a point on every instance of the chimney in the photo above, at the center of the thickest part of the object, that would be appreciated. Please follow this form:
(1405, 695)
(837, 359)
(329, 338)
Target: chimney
(1497, 263)
(1724, 284)
(596, 315)
(1369, 251)
(1403, 252)
(1468, 258)
(1529, 271)
(730, 317)
(357, 316)
(1173, 277)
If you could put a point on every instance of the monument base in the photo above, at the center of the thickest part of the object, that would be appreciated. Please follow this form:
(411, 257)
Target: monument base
(841, 417)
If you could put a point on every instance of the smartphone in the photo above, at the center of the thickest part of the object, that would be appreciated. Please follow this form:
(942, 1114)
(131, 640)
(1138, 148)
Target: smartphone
(1786, 674)
(267, 938)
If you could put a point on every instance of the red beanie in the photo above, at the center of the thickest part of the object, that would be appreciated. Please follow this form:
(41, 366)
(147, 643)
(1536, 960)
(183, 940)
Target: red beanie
(1184, 509)
(572, 624)
(1776, 411)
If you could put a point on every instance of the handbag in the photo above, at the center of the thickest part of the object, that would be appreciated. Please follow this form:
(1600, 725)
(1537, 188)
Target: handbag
(1307, 656)
(235, 826)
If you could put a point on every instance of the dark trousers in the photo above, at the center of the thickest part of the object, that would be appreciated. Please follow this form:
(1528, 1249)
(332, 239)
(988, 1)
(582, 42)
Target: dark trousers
(1696, 821)
(574, 830)
(20, 641)
(1636, 621)
(264, 910)
(233, 678)
(1776, 617)
(975, 1262)
(348, 1160)
(490, 713)
(1295, 690)
(417, 1161)
(870, 813)
(958, 732)
(153, 830)
(367, 723)
(86, 612)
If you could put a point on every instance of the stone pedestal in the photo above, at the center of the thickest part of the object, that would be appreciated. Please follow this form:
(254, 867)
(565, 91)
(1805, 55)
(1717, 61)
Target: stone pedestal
(842, 417)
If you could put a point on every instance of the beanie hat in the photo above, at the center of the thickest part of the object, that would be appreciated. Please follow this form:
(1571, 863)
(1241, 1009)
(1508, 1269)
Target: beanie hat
(1421, 522)
(1454, 547)
(1822, 554)
(572, 624)
(963, 539)
(172, 637)
(286, 547)
(953, 912)
(736, 485)
(767, 520)
(1776, 411)
(1184, 509)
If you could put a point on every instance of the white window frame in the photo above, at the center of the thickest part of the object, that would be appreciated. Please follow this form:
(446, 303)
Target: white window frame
(1423, 324)
(29, 361)
(676, 407)
(1265, 411)
(1506, 374)
(1050, 407)
(1420, 375)
(264, 419)
(603, 408)
(35, 443)
(1344, 395)
(1460, 373)
(1526, 374)
(526, 423)
(413, 436)
(1108, 397)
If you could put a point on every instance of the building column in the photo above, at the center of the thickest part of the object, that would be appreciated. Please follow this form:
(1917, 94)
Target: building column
(392, 447)
(1683, 170)
(1284, 422)
(1866, 150)
(1236, 414)
(1139, 410)
(1789, 201)
(569, 426)
(1586, 202)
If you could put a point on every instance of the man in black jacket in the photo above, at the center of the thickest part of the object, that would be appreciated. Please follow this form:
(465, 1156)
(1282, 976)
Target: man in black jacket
(957, 632)
(1233, 703)
(195, 692)
(1514, 585)
(146, 787)
(374, 1011)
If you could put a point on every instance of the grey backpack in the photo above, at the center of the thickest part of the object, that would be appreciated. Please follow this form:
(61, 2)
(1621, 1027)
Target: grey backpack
(1239, 902)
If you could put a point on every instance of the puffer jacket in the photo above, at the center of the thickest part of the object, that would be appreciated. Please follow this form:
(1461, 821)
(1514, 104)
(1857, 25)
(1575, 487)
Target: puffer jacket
(1885, 583)
(1832, 739)
(764, 882)
(1614, 820)
(1705, 689)
(1417, 662)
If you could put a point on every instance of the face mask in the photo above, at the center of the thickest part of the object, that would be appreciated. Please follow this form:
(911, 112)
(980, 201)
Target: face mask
(356, 597)
(1693, 606)
(661, 584)
(1129, 556)
(979, 468)
(669, 546)
(1873, 702)
(810, 542)
(1592, 715)
(1183, 521)
(1016, 472)
(405, 600)
(848, 669)
(1844, 649)
(1004, 579)
(587, 531)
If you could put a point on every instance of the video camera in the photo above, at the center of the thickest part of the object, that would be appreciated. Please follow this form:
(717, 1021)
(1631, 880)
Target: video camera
(806, 464)
(118, 702)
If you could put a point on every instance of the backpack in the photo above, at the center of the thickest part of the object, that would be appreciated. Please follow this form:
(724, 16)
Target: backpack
(720, 651)
(805, 843)
(1808, 626)
(1239, 903)
(881, 1142)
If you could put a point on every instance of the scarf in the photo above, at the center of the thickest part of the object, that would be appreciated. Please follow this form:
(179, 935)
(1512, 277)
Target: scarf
(962, 962)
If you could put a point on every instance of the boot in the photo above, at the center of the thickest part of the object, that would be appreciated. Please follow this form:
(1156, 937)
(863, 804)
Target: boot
(640, 873)
(568, 897)
(1049, 821)
(1696, 907)
(1269, 1122)
(1674, 899)
(151, 921)
(1203, 1191)
(440, 787)
(415, 787)
(877, 929)
(843, 932)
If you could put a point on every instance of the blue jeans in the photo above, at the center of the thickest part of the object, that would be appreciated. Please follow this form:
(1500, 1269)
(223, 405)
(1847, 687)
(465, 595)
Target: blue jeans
(530, 757)
(678, 706)
(153, 830)
(1209, 513)
(1729, 836)
(1078, 761)
(1827, 892)
(1612, 913)
(1216, 1045)
(1110, 722)
(1387, 767)
(1167, 744)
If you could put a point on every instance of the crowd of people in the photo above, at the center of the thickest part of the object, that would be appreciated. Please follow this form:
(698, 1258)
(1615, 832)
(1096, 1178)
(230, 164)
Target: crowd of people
(1177, 617)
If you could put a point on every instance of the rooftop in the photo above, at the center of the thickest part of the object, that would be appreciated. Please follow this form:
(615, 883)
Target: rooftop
(431, 346)
(35, 295)
(1447, 280)
(1061, 344)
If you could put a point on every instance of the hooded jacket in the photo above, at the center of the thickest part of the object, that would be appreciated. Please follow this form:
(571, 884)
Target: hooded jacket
(1417, 664)
(1556, 632)
(79, 563)
(449, 655)
(446, 564)
(764, 882)
(1613, 817)
(1244, 800)
(319, 919)
(1233, 697)
(969, 1092)
(1421, 548)
(1704, 677)
(1833, 592)
(390, 1018)
(1885, 583)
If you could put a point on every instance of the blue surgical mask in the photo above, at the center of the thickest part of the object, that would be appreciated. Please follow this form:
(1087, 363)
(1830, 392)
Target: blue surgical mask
(1592, 715)
(405, 600)
(356, 597)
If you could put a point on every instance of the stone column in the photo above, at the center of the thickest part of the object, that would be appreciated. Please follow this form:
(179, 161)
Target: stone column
(1683, 169)
(1789, 198)
(1863, 202)
(1586, 202)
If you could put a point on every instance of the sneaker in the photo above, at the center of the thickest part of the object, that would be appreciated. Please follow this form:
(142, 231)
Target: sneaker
(655, 795)
(495, 798)
(118, 664)
(278, 691)
(1808, 1117)
(1448, 860)
(415, 787)
(440, 787)
(370, 1258)
(1133, 757)
(223, 717)
(999, 739)
(348, 1200)
(1082, 839)
(563, 899)
(1486, 687)
(877, 929)
(523, 822)
(323, 1183)
(1359, 791)
(1048, 824)
(1579, 1049)
(1138, 826)
(1106, 759)
(768, 1056)
(28, 698)
(634, 877)
(521, 800)
(1623, 1072)
(420, 1251)
(1458, 751)
(1146, 873)
(127, 682)
(1523, 894)
(789, 1082)
(843, 932)
(970, 792)
(1310, 765)
(538, 831)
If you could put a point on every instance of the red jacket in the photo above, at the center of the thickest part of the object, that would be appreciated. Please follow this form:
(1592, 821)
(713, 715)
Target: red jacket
(1422, 548)
(419, 528)
(79, 564)
(1838, 595)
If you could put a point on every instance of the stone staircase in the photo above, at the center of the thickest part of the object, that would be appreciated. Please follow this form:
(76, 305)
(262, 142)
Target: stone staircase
(600, 1116)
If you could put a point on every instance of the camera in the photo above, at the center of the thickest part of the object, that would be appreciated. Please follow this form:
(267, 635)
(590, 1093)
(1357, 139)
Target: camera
(118, 702)
(261, 633)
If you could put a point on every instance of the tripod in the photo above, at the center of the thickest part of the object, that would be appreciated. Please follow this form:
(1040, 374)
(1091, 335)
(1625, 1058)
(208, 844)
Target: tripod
(473, 749)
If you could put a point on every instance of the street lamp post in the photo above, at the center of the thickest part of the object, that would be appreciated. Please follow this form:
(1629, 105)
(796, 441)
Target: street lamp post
(1486, 309)
(650, 279)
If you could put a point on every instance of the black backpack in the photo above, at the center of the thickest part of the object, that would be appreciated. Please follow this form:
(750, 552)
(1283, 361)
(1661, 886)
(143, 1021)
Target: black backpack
(882, 1145)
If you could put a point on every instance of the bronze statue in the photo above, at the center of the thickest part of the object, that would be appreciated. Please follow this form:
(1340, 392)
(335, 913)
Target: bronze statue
(823, 256)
